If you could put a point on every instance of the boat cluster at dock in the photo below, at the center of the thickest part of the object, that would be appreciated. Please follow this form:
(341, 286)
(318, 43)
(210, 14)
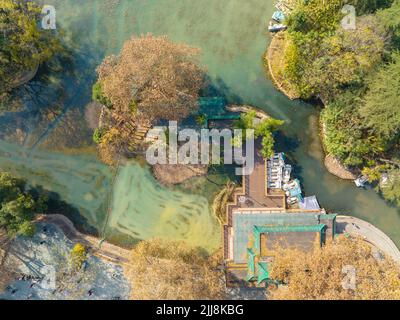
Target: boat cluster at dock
(279, 178)
(278, 172)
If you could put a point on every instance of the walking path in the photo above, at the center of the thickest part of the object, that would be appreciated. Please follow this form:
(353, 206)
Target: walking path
(371, 234)
(104, 250)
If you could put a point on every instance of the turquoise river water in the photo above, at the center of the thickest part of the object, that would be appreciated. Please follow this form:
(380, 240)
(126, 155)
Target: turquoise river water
(232, 36)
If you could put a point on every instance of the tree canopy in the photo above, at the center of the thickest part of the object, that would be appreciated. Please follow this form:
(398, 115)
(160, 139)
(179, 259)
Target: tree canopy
(77, 256)
(263, 129)
(151, 80)
(156, 77)
(323, 274)
(18, 206)
(391, 191)
(23, 45)
(321, 61)
(380, 109)
(354, 72)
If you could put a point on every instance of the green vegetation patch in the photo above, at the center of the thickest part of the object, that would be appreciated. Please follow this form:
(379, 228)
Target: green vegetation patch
(18, 206)
(356, 73)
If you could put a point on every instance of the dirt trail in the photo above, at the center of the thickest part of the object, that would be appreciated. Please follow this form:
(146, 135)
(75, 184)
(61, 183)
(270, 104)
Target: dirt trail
(103, 249)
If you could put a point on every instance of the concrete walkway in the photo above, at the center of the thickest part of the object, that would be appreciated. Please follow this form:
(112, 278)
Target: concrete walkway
(371, 234)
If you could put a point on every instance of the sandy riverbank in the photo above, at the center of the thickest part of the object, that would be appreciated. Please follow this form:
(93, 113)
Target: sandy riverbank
(274, 61)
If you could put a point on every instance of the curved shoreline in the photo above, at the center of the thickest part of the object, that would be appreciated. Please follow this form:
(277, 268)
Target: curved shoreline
(273, 48)
(360, 228)
(246, 108)
(370, 233)
(335, 168)
(25, 77)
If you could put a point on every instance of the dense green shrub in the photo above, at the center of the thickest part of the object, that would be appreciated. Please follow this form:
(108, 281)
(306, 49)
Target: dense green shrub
(97, 95)
(98, 135)
(263, 129)
(18, 206)
(23, 45)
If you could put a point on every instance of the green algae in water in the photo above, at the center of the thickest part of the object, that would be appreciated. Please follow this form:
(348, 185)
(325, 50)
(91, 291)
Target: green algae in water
(74, 178)
(144, 209)
(233, 37)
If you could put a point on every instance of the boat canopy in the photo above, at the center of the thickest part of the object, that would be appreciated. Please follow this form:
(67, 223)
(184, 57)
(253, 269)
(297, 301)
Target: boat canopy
(296, 190)
(278, 16)
(310, 203)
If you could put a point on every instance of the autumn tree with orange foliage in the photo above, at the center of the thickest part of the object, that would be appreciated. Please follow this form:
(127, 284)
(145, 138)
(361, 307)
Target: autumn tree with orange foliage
(152, 79)
(161, 270)
(319, 275)
(153, 76)
(110, 146)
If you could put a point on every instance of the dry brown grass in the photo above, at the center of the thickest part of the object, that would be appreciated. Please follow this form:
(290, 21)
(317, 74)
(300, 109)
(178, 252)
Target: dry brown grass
(221, 200)
(319, 275)
(160, 270)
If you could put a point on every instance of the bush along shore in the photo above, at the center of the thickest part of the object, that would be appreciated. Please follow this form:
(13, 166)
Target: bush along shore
(355, 72)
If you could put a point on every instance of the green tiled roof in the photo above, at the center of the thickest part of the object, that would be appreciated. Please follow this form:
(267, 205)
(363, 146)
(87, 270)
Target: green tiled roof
(251, 268)
(267, 229)
(283, 229)
(263, 274)
(243, 227)
(328, 216)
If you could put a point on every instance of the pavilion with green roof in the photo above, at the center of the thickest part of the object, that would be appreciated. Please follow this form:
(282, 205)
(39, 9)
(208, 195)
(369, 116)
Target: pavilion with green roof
(257, 236)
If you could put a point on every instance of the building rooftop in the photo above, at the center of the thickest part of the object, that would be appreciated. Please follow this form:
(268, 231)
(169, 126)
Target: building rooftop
(245, 222)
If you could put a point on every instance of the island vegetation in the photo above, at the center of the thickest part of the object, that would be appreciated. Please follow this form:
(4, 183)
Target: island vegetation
(151, 80)
(356, 74)
(18, 207)
(23, 46)
(264, 130)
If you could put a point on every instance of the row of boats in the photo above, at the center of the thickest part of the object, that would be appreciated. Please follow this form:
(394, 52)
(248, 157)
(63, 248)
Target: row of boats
(279, 178)
(278, 172)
